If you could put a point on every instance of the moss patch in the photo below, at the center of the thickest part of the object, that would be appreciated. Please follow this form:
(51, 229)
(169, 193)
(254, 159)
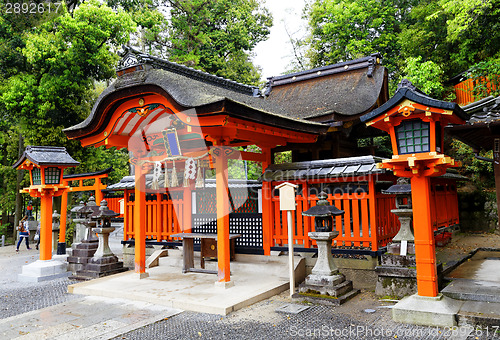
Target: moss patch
(313, 293)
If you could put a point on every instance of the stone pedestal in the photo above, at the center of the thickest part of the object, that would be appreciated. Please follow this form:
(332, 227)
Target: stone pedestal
(405, 234)
(439, 311)
(32, 226)
(397, 275)
(103, 262)
(55, 238)
(43, 270)
(81, 254)
(325, 284)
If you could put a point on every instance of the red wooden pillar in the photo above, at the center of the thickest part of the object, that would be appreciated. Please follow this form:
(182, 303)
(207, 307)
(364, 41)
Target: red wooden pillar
(267, 222)
(64, 216)
(98, 191)
(126, 215)
(427, 283)
(187, 209)
(221, 178)
(140, 221)
(372, 206)
(46, 225)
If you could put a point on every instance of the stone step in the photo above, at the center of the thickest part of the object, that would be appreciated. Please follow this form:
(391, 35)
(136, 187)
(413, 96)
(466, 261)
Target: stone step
(479, 313)
(89, 275)
(90, 267)
(473, 290)
(92, 245)
(78, 259)
(83, 252)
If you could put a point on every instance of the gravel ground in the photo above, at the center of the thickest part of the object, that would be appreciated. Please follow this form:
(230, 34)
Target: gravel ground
(260, 321)
(26, 297)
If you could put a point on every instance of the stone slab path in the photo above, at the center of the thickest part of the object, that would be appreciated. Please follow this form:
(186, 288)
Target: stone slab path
(84, 318)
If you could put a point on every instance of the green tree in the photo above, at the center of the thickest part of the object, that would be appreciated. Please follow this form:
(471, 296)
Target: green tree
(63, 58)
(454, 34)
(217, 36)
(426, 76)
(343, 30)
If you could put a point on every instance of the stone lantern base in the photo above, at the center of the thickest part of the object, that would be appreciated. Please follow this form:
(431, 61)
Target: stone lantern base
(103, 262)
(325, 284)
(80, 256)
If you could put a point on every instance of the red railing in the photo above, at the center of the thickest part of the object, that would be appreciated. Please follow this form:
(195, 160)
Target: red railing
(114, 203)
(358, 227)
(367, 221)
(444, 207)
(164, 217)
(464, 91)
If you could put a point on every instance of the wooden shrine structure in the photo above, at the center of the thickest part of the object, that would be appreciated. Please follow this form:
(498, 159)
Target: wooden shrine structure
(177, 122)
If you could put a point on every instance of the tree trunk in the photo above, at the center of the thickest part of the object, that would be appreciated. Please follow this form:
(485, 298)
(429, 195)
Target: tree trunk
(19, 197)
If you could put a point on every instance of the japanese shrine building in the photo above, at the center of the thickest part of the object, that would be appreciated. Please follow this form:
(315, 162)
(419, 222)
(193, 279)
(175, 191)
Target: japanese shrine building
(176, 121)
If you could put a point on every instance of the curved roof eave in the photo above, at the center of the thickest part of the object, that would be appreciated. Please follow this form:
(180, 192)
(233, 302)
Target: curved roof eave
(196, 98)
(417, 97)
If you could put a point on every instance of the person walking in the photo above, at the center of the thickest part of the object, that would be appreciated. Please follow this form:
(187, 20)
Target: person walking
(37, 236)
(24, 232)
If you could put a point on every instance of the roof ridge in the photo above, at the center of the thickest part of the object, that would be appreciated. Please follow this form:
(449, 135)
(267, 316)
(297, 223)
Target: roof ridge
(369, 61)
(132, 57)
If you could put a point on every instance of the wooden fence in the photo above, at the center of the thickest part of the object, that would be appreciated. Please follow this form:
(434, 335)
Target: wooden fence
(367, 222)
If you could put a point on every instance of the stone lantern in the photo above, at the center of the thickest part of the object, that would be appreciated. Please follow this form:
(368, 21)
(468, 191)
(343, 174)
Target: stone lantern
(103, 228)
(87, 244)
(325, 278)
(104, 262)
(56, 223)
(86, 212)
(404, 212)
(323, 214)
(78, 218)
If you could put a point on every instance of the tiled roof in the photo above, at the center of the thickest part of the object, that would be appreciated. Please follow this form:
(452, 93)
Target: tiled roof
(333, 92)
(406, 90)
(330, 168)
(128, 182)
(483, 126)
(297, 101)
(47, 155)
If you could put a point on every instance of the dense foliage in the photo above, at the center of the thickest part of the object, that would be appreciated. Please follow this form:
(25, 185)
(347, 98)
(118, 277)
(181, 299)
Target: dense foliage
(54, 65)
(430, 41)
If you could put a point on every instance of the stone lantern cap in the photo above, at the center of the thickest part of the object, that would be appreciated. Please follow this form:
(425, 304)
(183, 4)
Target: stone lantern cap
(77, 208)
(56, 216)
(323, 208)
(104, 212)
(402, 187)
(90, 208)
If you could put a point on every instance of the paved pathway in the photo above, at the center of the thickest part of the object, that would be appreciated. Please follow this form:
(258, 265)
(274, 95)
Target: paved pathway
(44, 308)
